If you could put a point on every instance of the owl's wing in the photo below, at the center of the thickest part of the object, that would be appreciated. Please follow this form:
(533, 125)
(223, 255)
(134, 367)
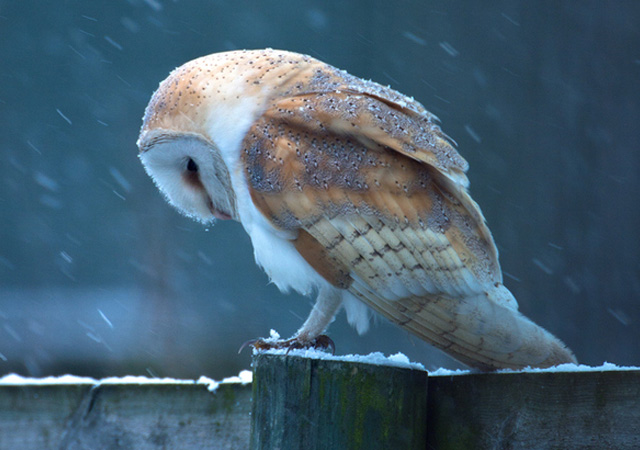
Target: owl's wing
(377, 196)
(363, 167)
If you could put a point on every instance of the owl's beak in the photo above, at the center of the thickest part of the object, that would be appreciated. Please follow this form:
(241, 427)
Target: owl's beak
(217, 214)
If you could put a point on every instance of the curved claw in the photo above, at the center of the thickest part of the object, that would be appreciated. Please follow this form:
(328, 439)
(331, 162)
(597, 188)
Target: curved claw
(324, 342)
(250, 342)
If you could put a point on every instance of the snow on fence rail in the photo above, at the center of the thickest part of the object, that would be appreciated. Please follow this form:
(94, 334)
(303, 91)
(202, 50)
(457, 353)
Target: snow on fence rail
(330, 403)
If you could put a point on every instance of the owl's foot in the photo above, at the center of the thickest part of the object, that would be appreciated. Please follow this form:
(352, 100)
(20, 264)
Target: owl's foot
(322, 342)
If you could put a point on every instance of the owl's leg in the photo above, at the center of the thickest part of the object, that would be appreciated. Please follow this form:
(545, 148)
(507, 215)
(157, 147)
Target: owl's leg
(322, 314)
(309, 335)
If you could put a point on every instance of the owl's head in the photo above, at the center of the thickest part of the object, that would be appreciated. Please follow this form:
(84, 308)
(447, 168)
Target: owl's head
(195, 123)
(192, 133)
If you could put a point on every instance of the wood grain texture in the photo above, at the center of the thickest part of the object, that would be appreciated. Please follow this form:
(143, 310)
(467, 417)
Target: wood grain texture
(149, 416)
(301, 403)
(552, 410)
(561, 410)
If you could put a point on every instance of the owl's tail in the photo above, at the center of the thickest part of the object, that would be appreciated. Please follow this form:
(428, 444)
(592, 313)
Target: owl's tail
(482, 332)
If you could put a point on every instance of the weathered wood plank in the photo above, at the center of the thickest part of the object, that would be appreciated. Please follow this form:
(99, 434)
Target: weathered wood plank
(549, 410)
(140, 416)
(35, 417)
(302, 403)
(316, 404)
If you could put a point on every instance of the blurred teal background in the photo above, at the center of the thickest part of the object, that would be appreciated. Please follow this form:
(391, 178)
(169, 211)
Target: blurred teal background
(99, 276)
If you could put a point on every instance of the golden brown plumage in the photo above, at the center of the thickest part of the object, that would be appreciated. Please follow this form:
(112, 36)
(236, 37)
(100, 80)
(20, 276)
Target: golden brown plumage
(357, 188)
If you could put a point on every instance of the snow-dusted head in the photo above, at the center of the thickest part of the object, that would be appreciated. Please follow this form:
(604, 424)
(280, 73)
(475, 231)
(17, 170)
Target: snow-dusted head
(195, 117)
(195, 123)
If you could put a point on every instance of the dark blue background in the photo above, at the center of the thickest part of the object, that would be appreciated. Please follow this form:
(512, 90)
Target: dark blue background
(99, 276)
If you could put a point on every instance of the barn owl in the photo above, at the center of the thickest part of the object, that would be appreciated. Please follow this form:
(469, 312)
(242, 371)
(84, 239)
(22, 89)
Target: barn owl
(347, 189)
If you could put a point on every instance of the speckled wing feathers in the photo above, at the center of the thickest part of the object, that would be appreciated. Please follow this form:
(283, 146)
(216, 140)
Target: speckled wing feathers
(301, 169)
(372, 122)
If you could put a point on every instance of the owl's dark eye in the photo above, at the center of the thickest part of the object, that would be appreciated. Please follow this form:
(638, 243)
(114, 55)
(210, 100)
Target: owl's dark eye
(191, 176)
(192, 166)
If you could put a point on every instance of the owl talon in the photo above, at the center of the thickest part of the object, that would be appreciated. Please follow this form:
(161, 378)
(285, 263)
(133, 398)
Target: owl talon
(249, 343)
(322, 342)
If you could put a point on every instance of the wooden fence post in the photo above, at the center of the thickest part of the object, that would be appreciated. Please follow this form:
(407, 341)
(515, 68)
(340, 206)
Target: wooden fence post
(149, 416)
(302, 403)
(549, 410)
